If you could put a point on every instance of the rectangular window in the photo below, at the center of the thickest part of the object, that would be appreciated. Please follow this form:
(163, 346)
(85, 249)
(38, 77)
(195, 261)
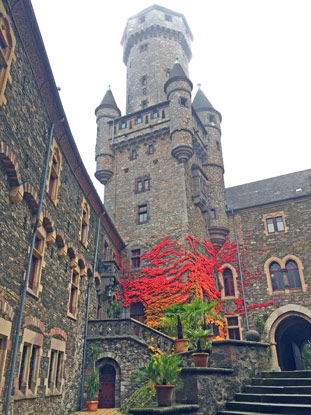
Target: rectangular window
(106, 247)
(134, 154)
(168, 18)
(144, 80)
(135, 258)
(53, 181)
(151, 149)
(213, 213)
(183, 102)
(146, 184)
(37, 260)
(85, 217)
(155, 114)
(233, 328)
(122, 125)
(139, 119)
(55, 369)
(144, 104)
(74, 292)
(275, 224)
(142, 214)
(30, 363)
(139, 185)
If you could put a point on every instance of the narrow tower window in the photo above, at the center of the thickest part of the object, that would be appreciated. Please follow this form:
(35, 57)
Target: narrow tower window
(142, 214)
(135, 258)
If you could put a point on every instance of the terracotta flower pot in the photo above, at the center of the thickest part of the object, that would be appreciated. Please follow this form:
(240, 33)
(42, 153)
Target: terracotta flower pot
(181, 345)
(200, 359)
(92, 405)
(165, 394)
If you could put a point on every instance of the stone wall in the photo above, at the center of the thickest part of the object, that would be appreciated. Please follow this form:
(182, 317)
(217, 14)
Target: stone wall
(127, 356)
(25, 124)
(260, 248)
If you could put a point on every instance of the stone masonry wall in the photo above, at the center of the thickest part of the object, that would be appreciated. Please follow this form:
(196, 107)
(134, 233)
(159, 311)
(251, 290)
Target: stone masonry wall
(261, 247)
(24, 131)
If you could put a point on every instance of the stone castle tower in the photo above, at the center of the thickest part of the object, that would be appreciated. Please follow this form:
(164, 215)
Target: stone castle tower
(161, 163)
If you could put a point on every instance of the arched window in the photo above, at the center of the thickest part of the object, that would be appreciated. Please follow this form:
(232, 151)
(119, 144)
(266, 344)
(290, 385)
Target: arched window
(293, 275)
(228, 283)
(276, 277)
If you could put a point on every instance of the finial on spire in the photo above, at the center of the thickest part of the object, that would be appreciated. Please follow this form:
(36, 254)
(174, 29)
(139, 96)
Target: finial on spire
(109, 86)
(199, 86)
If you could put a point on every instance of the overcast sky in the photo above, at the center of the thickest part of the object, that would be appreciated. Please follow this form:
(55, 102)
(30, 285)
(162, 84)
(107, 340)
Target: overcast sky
(252, 58)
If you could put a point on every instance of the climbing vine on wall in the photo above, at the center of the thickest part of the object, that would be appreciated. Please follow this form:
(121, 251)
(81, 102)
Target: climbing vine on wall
(176, 273)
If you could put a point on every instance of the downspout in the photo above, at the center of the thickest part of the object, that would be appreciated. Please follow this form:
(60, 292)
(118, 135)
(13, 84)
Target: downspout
(240, 269)
(87, 312)
(23, 296)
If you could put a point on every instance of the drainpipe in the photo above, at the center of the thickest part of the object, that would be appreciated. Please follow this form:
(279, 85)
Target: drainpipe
(23, 295)
(87, 312)
(240, 269)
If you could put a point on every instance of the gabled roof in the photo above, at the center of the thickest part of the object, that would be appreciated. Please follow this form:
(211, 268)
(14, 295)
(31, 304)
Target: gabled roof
(287, 186)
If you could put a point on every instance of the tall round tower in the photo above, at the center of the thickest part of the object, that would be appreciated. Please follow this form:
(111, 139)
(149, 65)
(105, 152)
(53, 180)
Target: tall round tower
(214, 168)
(151, 41)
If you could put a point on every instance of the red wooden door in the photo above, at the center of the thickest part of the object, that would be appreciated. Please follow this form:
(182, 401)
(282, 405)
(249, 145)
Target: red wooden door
(107, 387)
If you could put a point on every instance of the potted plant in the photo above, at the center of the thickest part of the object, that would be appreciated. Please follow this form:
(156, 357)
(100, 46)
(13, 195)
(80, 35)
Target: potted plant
(163, 371)
(172, 323)
(93, 382)
(198, 341)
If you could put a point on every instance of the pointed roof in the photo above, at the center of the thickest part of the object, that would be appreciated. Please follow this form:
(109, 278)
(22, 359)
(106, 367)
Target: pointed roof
(200, 101)
(108, 102)
(177, 74)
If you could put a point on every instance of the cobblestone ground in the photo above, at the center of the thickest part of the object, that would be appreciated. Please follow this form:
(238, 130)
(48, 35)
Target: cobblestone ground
(112, 411)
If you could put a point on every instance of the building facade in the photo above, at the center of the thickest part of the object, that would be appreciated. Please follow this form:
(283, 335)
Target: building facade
(48, 366)
(162, 167)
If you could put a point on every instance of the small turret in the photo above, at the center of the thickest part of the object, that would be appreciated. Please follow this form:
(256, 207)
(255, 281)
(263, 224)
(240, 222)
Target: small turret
(106, 111)
(214, 169)
(178, 90)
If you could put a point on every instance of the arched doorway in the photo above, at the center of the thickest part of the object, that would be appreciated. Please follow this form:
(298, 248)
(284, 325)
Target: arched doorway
(290, 336)
(288, 329)
(106, 396)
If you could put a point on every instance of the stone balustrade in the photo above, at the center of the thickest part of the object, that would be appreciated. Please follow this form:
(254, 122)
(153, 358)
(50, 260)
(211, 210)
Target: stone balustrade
(130, 328)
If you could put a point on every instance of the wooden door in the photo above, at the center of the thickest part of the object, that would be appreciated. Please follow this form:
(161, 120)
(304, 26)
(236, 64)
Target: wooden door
(107, 387)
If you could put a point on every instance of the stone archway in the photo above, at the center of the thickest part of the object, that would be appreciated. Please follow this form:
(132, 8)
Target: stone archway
(109, 374)
(287, 329)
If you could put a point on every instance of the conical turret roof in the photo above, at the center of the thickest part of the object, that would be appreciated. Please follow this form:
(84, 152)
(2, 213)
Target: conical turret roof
(108, 102)
(177, 74)
(200, 101)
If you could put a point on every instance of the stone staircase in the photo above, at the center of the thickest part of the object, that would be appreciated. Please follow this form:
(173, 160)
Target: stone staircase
(274, 393)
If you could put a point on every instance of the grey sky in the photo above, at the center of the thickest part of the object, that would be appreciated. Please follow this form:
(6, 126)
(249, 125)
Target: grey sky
(252, 58)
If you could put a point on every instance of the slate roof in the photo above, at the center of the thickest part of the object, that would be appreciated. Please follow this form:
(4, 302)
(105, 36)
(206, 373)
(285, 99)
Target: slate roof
(278, 188)
(200, 101)
(109, 101)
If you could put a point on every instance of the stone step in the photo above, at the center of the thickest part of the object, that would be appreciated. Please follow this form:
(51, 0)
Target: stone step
(305, 390)
(180, 409)
(291, 374)
(226, 412)
(268, 408)
(281, 382)
(273, 398)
